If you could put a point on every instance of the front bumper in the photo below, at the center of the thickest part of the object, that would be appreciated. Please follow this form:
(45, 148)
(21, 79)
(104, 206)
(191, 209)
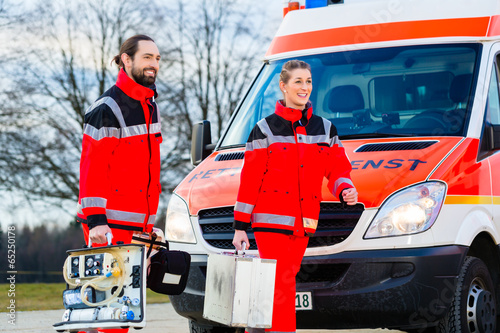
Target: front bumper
(399, 288)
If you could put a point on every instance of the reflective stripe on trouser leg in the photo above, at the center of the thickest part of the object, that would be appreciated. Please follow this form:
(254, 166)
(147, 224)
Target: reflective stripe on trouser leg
(288, 251)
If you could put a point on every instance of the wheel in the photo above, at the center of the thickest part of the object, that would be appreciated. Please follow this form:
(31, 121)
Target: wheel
(194, 327)
(473, 309)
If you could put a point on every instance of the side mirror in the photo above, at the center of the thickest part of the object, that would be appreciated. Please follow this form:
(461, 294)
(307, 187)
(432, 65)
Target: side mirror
(201, 142)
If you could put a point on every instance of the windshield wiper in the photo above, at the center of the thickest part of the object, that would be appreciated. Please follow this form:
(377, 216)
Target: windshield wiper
(374, 135)
(232, 146)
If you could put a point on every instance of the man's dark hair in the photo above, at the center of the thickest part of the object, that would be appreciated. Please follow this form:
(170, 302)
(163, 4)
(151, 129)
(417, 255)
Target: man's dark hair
(129, 47)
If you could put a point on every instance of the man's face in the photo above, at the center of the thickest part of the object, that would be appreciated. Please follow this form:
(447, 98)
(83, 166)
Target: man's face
(145, 64)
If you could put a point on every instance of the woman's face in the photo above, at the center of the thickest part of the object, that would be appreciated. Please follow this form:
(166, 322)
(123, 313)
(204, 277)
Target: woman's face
(298, 89)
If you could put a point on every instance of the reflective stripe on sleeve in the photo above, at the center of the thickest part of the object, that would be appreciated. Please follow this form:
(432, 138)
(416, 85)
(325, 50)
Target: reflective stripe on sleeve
(340, 181)
(243, 207)
(101, 133)
(256, 144)
(152, 219)
(335, 141)
(120, 215)
(113, 132)
(273, 219)
(93, 202)
(79, 209)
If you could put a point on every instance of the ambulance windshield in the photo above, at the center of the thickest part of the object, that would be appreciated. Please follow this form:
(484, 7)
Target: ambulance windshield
(419, 90)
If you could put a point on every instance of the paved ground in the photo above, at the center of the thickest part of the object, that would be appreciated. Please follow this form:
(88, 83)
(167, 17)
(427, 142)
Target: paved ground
(161, 318)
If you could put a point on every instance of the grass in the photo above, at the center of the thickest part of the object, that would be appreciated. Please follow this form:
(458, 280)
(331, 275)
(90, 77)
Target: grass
(48, 296)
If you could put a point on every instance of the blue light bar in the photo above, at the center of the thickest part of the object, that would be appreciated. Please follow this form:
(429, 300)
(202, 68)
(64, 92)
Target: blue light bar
(316, 3)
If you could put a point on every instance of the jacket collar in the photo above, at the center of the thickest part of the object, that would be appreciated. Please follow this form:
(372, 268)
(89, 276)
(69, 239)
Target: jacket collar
(293, 115)
(133, 89)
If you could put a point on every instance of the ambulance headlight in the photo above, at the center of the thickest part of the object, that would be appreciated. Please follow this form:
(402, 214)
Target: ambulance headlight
(409, 211)
(178, 227)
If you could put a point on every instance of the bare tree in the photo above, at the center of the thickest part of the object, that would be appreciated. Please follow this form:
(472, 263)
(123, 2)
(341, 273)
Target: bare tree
(210, 50)
(65, 68)
(10, 13)
(217, 45)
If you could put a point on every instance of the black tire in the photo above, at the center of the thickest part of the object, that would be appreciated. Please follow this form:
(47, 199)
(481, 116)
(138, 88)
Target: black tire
(194, 327)
(473, 309)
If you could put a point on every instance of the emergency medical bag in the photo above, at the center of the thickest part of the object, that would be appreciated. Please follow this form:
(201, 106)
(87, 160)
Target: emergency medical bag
(167, 271)
(106, 288)
(239, 290)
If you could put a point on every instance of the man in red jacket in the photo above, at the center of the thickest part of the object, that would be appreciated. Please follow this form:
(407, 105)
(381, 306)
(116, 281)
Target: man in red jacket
(120, 162)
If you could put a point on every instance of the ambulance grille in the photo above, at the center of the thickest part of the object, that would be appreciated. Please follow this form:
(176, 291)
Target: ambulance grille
(335, 225)
(230, 156)
(415, 145)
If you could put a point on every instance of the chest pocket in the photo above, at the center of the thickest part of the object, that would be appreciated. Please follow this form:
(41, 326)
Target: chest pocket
(158, 138)
(281, 156)
(321, 151)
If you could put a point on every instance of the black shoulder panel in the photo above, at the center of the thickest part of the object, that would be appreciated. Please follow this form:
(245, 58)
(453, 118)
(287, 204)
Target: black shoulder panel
(333, 131)
(316, 126)
(131, 109)
(279, 125)
(256, 134)
(101, 116)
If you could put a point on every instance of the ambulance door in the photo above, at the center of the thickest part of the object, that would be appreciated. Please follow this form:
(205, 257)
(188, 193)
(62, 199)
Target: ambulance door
(487, 148)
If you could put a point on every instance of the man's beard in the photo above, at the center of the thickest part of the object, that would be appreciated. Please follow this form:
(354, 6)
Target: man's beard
(143, 80)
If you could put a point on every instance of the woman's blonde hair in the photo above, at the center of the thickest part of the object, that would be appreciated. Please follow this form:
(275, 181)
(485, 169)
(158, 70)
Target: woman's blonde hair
(290, 66)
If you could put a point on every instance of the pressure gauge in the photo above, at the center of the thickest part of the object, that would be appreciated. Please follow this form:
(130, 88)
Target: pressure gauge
(90, 262)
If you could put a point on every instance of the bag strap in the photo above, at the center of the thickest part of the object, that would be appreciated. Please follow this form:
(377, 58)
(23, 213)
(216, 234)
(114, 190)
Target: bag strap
(151, 242)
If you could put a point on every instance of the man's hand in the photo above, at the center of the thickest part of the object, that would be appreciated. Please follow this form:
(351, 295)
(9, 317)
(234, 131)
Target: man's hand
(350, 196)
(240, 236)
(98, 233)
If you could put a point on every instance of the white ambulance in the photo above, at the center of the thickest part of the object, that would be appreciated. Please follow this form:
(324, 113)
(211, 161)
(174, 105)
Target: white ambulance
(413, 89)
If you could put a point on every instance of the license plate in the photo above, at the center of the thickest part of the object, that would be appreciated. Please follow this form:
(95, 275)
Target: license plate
(303, 301)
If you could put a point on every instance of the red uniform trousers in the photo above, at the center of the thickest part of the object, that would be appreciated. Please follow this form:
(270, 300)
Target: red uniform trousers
(118, 235)
(288, 250)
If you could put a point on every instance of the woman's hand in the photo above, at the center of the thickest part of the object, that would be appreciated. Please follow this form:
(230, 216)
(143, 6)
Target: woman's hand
(240, 236)
(350, 196)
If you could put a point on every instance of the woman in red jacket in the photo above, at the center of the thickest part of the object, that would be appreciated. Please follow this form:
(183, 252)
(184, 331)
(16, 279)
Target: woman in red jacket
(287, 156)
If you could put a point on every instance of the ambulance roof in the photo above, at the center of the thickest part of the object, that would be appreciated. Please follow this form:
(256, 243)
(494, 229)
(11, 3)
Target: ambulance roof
(374, 21)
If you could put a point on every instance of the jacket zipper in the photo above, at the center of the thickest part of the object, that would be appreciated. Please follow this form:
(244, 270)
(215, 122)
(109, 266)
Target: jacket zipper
(149, 160)
(298, 171)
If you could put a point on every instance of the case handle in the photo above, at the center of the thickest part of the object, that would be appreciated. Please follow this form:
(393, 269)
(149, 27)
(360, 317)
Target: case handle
(109, 236)
(243, 247)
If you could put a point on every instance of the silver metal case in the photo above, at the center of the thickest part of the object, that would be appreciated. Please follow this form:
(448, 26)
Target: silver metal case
(239, 290)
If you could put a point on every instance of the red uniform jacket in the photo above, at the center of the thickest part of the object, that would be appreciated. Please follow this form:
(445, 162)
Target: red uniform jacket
(120, 163)
(287, 156)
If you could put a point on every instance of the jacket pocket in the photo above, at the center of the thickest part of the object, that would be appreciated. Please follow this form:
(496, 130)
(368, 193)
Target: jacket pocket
(158, 138)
